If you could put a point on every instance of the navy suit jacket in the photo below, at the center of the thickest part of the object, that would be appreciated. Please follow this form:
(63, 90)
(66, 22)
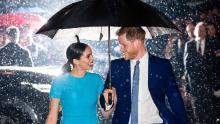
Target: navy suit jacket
(161, 83)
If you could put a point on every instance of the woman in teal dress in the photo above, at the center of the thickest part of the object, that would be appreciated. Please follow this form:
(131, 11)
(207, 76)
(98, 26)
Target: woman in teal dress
(78, 90)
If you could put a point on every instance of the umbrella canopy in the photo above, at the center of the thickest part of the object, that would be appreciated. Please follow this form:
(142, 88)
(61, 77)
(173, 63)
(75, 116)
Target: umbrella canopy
(93, 13)
(91, 33)
(116, 13)
(21, 19)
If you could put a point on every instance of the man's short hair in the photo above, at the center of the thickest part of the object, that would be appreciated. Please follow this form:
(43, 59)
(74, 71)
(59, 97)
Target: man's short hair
(14, 33)
(132, 33)
(198, 25)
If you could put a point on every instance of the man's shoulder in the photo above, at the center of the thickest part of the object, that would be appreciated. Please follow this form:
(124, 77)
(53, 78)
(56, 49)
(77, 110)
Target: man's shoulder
(7, 49)
(21, 51)
(191, 42)
(120, 63)
(13, 47)
(156, 59)
(152, 58)
(120, 60)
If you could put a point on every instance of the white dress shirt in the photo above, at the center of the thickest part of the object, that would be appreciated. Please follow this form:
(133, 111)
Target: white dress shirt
(147, 110)
(202, 46)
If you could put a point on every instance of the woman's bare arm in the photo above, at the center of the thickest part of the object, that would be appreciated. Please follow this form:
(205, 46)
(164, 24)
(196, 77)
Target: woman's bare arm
(53, 112)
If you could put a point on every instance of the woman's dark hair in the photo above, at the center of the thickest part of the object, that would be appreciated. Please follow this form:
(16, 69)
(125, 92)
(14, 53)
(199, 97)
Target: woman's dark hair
(74, 51)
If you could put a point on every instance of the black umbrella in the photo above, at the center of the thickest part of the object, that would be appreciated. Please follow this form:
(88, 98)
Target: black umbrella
(93, 13)
(96, 13)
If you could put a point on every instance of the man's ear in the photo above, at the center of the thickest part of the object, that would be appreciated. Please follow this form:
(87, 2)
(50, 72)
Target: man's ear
(136, 43)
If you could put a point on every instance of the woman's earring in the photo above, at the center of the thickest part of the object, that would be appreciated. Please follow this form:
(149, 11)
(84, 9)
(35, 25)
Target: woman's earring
(71, 66)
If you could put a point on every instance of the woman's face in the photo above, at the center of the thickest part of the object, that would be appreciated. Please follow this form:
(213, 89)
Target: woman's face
(86, 60)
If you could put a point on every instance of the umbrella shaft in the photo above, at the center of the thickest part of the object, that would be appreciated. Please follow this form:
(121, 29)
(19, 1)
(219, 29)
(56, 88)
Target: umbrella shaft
(109, 57)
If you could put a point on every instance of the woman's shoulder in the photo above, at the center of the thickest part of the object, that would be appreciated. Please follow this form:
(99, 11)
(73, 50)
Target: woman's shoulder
(96, 78)
(93, 75)
(62, 77)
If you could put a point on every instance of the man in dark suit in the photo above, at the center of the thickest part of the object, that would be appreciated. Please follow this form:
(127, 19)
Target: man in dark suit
(143, 82)
(199, 59)
(12, 54)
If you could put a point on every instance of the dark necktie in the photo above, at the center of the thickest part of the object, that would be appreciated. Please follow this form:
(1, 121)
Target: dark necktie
(200, 49)
(134, 101)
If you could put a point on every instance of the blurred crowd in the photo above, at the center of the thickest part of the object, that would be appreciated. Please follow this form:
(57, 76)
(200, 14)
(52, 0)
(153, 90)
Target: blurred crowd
(20, 46)
(195, 57)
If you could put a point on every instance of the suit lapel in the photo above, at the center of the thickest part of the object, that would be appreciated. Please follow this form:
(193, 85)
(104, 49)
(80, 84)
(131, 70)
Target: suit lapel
(150, 71)
(127, 74)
